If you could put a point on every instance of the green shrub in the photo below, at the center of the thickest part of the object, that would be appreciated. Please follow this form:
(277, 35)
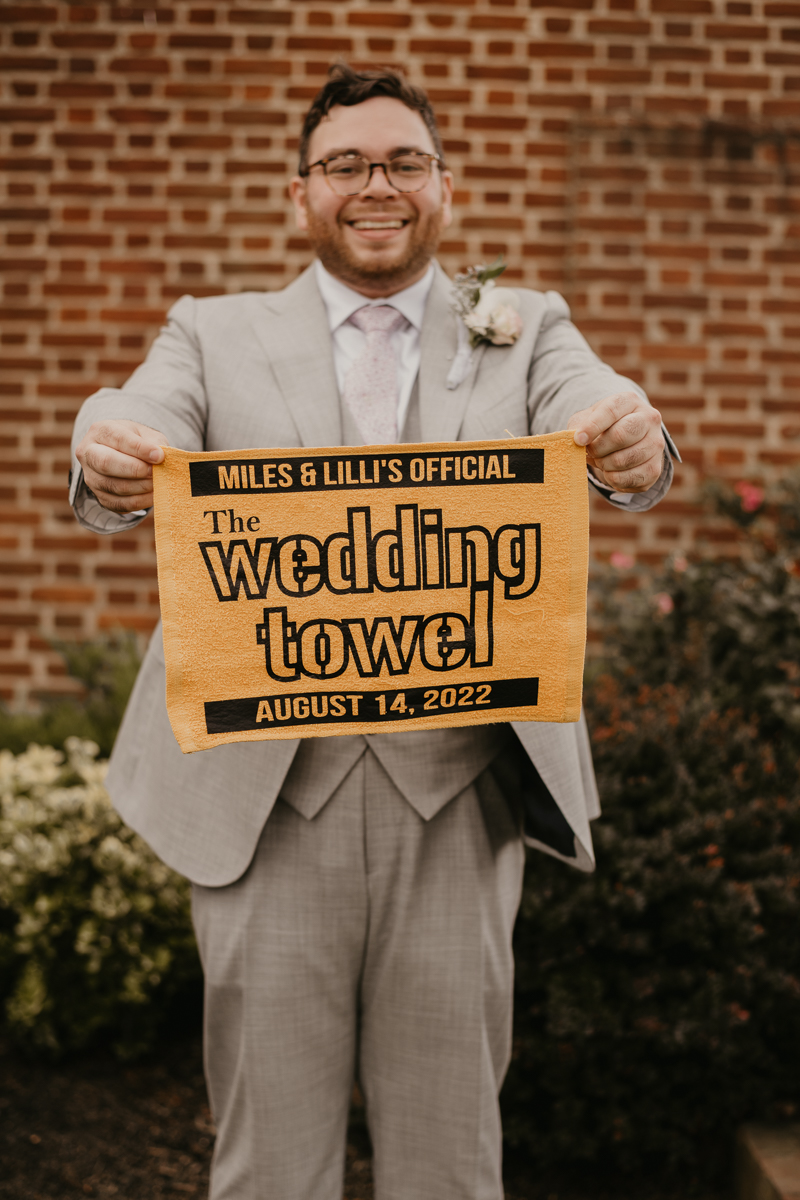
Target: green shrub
(658, 1001)
(95, 933)
(107, 668)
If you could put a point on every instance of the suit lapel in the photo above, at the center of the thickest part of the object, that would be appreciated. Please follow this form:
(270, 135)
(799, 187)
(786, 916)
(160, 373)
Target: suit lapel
(442, 409)
(292, 328)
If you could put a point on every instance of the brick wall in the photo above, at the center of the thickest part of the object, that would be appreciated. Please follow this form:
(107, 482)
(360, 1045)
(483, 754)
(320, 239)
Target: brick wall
(639, 155)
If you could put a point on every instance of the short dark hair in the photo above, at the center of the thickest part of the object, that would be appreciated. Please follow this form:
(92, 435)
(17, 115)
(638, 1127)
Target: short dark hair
(348, 87)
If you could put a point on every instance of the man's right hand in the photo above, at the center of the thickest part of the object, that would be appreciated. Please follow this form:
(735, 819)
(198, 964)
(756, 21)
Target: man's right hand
(117, 459)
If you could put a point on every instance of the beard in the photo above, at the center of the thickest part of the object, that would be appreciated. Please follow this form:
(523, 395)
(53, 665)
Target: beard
(389, 269)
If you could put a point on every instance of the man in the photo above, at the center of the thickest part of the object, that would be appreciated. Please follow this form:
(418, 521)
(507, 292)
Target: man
(354, 897)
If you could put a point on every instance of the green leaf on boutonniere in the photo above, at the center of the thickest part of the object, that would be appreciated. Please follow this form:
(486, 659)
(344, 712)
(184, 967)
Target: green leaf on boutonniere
(496, 268)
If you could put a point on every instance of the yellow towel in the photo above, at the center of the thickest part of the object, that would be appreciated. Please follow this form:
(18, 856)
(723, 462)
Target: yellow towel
(316, 592)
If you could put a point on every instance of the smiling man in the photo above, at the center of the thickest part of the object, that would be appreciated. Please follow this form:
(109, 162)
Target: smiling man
(354, 897)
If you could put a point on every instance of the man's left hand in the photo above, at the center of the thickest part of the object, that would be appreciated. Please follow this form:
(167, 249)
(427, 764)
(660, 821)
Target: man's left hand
(623, 440)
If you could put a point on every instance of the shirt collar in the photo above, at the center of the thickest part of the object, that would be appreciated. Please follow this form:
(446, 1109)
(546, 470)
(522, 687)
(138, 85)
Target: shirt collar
(341, 301)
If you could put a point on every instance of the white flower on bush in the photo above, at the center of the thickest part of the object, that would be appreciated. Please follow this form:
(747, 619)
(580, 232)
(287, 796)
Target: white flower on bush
(88, 902)
(495, 318)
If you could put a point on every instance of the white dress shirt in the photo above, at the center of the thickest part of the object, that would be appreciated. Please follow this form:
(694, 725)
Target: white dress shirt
(348, 341)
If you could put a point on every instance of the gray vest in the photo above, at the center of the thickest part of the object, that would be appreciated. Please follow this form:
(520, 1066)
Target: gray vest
(429, 767)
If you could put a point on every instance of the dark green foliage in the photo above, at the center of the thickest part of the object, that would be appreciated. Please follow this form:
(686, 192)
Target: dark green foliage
(96, 941)
(658, 1001)
(107, 669)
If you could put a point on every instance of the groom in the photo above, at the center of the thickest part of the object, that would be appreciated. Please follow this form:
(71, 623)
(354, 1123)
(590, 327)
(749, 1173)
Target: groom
(354, 897)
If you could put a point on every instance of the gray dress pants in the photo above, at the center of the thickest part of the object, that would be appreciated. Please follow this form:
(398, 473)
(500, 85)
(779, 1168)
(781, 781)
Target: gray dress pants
(366, 943)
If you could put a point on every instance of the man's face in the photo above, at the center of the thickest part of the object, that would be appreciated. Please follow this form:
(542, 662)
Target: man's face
(381, 240)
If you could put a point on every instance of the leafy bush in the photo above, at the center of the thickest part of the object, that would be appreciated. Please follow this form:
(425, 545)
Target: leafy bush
(107, 668)
(95, 933)
(658, 1000)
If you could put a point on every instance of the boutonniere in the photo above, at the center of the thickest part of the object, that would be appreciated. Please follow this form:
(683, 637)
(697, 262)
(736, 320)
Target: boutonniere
(489, 314)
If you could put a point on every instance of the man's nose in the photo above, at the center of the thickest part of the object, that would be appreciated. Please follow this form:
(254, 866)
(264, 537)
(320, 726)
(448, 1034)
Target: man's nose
(379, 187)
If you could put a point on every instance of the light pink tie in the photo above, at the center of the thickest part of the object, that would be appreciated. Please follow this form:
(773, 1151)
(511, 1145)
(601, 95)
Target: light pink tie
(370, 389)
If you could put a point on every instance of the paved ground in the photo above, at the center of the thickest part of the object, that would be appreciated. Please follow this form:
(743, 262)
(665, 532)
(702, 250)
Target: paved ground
(94, 1128)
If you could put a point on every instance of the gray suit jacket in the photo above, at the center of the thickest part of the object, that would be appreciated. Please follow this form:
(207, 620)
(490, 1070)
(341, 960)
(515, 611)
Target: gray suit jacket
(256, 370)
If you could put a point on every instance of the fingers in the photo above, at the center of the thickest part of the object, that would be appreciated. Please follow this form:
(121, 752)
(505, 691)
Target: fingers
(117, 459)
(591, 422)
(625, 443)
(123, 504)
(126, 439)
(637, 480)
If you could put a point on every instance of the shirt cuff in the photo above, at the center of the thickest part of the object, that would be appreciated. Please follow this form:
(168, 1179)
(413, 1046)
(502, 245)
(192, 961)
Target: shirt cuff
(90, 513)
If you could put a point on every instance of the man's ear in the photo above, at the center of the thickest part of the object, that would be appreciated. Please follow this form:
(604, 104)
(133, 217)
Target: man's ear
(297, 191)
(447, 198)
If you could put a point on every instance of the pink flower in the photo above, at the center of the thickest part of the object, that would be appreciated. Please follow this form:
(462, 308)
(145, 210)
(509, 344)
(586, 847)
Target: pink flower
(664, 602)
(680, 563)
(623, 562)
(752, 495)
(495, 317)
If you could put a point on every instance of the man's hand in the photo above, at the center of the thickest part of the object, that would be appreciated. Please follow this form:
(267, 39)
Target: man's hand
(623, 440)
(117, 459)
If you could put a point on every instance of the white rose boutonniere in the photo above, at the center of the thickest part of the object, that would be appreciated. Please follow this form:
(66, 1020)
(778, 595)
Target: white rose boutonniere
(490, 313)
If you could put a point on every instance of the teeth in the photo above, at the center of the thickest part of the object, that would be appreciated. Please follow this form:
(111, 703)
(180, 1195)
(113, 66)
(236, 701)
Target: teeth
(377, 224)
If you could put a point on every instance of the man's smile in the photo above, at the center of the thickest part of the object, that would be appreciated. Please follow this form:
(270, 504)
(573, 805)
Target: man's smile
(379, 224)
(377, 228)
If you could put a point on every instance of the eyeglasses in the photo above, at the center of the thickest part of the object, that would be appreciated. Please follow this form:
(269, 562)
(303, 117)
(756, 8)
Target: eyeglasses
(350, 174)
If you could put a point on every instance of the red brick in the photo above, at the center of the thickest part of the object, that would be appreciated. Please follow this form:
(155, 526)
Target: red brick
(543, 200)
(496, 21)
(130, 571)
(13, 14)
(552, 49)
(22, 113)
(27, 62)
(574, 4)
(200, 41)
(691, 301)
(140, 66)
(449, 95)
(23, 264)
(331, 45)
(130, 216)
(442, 46)
(689, 104)
(259, 16)
(749, 33)
(199, 141)
(64, 595)
(732, 80)
(85, 40)
(722, 329)
(725, 429)
(678, 53)
(131, 116)
(559, 100)
(253, 116)
(618, 27)
(83, 90)
(519, 74)
(494, 121)
(99, 141)
(258, 66)
(681, 6)
(482, 171)
(135, 316)
(384, 20)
